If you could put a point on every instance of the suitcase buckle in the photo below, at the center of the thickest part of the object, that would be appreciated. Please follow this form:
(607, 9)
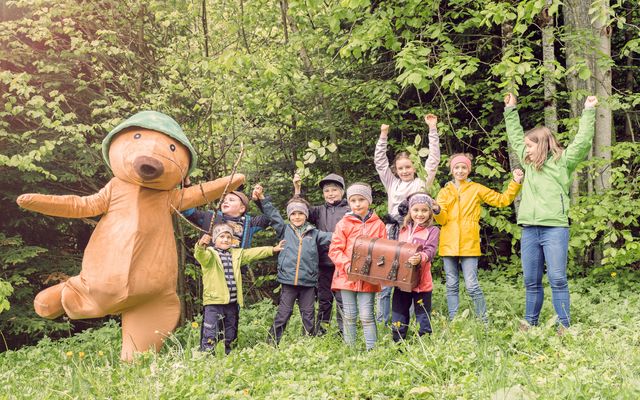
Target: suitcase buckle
(380, 262)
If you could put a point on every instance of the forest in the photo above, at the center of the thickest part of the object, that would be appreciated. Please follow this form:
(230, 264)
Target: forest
(303, 87)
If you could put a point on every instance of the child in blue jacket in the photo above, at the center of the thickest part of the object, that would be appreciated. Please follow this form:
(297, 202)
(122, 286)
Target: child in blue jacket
(297, 265)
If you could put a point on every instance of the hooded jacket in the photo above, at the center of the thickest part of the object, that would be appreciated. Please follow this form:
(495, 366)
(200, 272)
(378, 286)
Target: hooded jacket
(326, 217)
(215, 289)
(460, 215)
(428, 238)
(545, 193)
(347, 230)
(298, 261)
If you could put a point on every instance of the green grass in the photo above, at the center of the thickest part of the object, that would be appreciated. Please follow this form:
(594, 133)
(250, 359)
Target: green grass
(598, 357)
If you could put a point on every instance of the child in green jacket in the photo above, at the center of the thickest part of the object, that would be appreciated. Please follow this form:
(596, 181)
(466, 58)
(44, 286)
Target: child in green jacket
(222, 283)
(544, 208)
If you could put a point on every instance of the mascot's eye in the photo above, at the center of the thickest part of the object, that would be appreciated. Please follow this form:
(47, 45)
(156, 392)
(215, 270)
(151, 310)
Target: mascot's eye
(137, 136)
(172, 147)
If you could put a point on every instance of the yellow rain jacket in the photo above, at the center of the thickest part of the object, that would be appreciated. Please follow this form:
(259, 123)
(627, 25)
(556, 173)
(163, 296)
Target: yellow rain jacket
(460, 215)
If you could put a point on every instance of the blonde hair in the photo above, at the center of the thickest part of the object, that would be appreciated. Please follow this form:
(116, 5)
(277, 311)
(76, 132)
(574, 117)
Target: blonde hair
(407, 219)
(542, 136)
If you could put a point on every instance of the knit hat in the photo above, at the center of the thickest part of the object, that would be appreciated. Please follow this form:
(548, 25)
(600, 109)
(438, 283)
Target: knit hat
(156, 121)
(297, 206)
(460, 158)
(362, 189)
(219, 229)
(332, 178)
(243, 198)
(420, 198)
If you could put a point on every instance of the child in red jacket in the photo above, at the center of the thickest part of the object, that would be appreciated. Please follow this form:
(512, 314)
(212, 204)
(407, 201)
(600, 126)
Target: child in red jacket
(357, 296)
(417, 229)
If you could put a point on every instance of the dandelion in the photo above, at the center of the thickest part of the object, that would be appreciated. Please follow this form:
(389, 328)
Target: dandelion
(69, 354)
(614, 274)
(420, 302)
(396, 324)
(194, 324)
(101, 353)
(245, 392)
(81, 354)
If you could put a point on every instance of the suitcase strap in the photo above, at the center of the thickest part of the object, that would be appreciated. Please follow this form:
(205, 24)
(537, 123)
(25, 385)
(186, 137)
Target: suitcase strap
(393, 272)
(366, 267)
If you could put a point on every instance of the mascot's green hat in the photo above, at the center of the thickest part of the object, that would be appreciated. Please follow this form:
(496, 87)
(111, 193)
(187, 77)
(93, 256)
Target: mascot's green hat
(156, 121)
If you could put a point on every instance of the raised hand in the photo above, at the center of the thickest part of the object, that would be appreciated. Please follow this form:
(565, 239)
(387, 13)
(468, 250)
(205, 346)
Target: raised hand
(518, 175)
(591, 102)
(279, 246)
(510, 100)
(384, 130)
(297, 184)
(258, 193)
(431, 120)
(204, 240)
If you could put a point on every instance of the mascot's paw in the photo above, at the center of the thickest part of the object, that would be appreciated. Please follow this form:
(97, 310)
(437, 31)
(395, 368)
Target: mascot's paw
(24, 199)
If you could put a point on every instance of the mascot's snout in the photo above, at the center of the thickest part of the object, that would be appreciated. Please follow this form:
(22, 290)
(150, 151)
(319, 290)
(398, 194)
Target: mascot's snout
(148, 168)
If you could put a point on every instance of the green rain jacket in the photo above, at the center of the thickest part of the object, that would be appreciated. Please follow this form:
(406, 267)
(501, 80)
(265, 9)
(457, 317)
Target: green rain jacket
(545, 193)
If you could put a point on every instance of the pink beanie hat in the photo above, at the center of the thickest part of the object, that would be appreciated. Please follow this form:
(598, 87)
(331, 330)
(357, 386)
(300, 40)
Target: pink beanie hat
(461, 158)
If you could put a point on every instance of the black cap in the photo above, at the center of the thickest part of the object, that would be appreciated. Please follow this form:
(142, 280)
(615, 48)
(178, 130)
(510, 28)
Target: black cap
(332, 178)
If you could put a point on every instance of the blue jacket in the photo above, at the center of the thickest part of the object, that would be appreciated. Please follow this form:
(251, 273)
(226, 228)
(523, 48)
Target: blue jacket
(244, 227)
(298, 261)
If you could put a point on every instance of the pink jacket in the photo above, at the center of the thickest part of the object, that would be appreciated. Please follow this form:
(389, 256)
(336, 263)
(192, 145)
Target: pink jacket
(428, 238)
(344, 236)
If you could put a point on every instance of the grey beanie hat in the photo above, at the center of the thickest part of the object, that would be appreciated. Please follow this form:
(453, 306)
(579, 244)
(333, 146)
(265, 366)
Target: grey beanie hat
(332, 178)
(297, 206)
(219, 229)
(362, 189)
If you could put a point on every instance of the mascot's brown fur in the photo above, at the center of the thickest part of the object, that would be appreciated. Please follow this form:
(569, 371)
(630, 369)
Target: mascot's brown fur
(130, 263)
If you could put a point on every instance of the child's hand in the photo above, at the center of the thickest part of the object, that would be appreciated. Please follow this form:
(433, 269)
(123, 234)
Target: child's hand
(280, 246)
(590, 102)
(205, 240)
(415, 259)
(431, 120)
(518, 175)
(258, 193)
(384, 130)
(297, 184)
(510, 100)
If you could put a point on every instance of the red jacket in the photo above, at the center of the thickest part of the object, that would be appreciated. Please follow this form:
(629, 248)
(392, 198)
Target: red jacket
(344, 236)
(428, 238)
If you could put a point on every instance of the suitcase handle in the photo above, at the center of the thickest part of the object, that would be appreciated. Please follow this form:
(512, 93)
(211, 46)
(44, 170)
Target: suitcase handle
(393, 272)
(366, 267)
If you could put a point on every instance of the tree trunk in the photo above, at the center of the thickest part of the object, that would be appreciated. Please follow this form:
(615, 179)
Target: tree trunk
(548, 60)
(602, 75)
(182, 262)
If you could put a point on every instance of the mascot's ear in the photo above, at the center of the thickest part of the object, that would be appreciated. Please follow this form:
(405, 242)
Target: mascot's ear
(403, 208)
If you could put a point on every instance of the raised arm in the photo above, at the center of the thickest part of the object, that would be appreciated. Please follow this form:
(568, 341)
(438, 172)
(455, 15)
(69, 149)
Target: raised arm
(203, 193)
(68, 206)
(380, 158)
(515, 133)
(201, 252)
(498, 199)
(274, 216)
(432, 162)
(578, 150)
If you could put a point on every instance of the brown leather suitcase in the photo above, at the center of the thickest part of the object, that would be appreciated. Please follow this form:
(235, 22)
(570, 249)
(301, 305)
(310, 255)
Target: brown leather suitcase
(384, 262)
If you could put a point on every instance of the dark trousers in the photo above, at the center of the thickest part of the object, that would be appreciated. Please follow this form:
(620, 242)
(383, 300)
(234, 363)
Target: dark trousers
(325, 299)
(220, 321)
(288, 296)
(400, 305)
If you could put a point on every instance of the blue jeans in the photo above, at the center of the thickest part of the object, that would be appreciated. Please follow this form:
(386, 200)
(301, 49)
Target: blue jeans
(548, 245)
(384, 305)
(402, 302)
(354, 303)
(469, 266)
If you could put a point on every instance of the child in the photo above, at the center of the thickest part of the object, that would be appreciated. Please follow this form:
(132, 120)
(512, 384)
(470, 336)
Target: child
(400, 182)
(545, 205)
(418, 229)
(357, 296)
(325, 217)
(460, 201)
(297, 266)
(233, 211)
(222, 284)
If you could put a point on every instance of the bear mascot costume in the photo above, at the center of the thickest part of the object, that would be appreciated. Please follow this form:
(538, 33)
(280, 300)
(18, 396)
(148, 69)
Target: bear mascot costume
(130, 264)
